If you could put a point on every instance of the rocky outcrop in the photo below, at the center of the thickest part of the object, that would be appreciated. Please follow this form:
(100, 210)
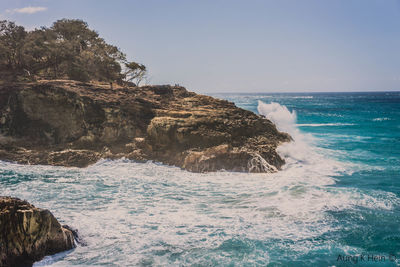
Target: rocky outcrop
(74, 124)
(28, 233)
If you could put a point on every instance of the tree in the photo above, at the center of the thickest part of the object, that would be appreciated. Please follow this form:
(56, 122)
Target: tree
(11, 43)
(68, 49)
(44, 53)
(135, 72)
(92, 58)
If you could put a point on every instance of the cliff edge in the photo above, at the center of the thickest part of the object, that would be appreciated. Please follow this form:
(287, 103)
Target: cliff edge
(69, 123)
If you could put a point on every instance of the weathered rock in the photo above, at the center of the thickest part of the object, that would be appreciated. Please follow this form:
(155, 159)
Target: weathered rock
(73, 124)
(27, 233)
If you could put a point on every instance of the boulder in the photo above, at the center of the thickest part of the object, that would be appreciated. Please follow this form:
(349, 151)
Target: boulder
(27, 233)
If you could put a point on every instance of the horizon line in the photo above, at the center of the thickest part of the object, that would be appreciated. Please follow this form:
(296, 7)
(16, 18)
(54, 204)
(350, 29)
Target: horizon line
(305, 92)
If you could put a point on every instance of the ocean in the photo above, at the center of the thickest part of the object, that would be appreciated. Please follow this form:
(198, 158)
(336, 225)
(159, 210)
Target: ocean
(335, 203)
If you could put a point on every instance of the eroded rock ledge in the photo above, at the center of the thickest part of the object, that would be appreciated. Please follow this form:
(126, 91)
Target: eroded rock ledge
(27, 233)
(69, 123)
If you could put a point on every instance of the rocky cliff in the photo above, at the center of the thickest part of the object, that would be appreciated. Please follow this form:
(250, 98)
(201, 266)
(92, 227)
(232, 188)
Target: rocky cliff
(28, 233)
(74, 124)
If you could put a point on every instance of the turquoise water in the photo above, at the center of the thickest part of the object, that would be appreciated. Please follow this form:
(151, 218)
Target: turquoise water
(335, 203)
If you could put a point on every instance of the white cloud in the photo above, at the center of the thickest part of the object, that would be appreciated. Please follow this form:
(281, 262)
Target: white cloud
(28, 10)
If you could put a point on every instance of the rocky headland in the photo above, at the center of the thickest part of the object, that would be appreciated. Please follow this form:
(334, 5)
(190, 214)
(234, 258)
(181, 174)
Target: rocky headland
(27, 233)
(68, 123)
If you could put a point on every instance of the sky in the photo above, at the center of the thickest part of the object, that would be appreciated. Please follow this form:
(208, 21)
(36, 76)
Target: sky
(212, 46)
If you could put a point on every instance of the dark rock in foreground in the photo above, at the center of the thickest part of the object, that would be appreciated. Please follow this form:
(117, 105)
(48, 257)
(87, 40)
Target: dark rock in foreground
(68, 123)
(27, 233)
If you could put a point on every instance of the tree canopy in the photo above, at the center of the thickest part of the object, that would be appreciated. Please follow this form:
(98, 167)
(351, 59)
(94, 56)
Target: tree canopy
(68, 49)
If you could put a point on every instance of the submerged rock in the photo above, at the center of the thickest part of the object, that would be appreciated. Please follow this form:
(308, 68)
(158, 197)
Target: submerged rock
(69, 123)
(27, 233)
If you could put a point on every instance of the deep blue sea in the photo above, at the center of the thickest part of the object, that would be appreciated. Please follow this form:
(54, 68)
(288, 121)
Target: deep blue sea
(335, 203)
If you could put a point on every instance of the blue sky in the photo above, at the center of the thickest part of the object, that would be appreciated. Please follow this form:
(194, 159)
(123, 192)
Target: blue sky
(243, 45)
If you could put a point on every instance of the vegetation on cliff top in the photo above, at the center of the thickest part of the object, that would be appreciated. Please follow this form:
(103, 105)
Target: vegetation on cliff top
(68, 49)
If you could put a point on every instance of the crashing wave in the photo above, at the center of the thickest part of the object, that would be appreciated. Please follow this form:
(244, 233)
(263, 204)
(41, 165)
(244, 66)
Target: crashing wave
(259, 164)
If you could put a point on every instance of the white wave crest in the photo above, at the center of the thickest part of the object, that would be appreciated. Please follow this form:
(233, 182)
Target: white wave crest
(303, 97)
(302, 153)
(381, 119)
(280, 115)
(323, 124)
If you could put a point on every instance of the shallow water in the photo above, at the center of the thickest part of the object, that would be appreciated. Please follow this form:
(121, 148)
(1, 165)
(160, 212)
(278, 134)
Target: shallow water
(338, 195)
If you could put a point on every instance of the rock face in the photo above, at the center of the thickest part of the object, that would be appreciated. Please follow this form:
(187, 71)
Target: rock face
(74, 124)
(28, 233)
